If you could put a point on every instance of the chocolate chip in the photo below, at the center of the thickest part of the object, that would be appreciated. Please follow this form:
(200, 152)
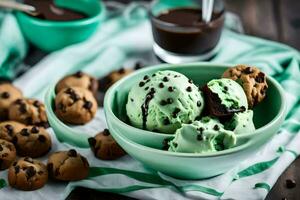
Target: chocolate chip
(175, 144)
(175, 112)
(18, 101)
(131, 99)
(4, 155)
(30, 172)
(226, 88)
(152, 90)
(169, 100)
(153, 75)
(189, 89)
(24, 132)
(72, 153)
(161, 85)
(141, 84)
(17, 169)
(248, 70)
(42, 138)
(1, 148)
(290, 183)
(121, 71)
(28, 159)
(260, 77)
(92, 141)
(88, 105)
(243, 108)
(165, 79)
(78, 74)
(138, 65)
(176, 76)
(37, 104)
(166, 121)
(199, 137)
(146, 88)
(216, 127)
(5, 95)
(146, 77)
(9, 128)
(106, 132)
(22, 108)
(170, 89)
(190, 81)
(201, 129)
(163, 102)
(75, 97)
(198, 103)
(35, 129)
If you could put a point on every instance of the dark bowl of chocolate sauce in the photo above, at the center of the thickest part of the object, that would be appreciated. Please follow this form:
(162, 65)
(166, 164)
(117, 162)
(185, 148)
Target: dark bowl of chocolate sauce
(182, 30)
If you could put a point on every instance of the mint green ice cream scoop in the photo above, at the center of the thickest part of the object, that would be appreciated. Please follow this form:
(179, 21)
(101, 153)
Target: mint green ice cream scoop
(207, 135)
(162, 101)
(241, 123)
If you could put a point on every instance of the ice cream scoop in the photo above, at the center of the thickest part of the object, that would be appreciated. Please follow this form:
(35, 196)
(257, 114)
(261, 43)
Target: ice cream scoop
(163, 101)
(224, 97)
(206, 135)
(241, 123)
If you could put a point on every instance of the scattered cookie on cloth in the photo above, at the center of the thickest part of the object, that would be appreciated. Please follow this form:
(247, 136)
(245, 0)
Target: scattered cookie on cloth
(75, 105)
(7, 154)
(67, 166)
(113, 77)
(32, 141)
(252, 80)
(8, 94)
(8, 129)
(105, 147)
(29, 112)
(27, 174)
(79, 79)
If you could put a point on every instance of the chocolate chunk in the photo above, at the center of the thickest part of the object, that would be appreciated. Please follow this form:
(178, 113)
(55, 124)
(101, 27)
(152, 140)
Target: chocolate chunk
(17, 169)
(260, 77)
(190, 81)
(28, 159)
(161, 85)
(138, 65)
(198, 103)
(30, 172)
(141, 84)
(106, 132)
(131, 99)
(24, 132)
(175, 144)
(146, 77)
(78, 74)
(216, 127)
(92, 141)
(170, 89)
(201, 129)
(189, 89)
(248, 70)
(165, 79)
(199, 137)
(121, 71)
(1, 148)
(163, 102)
(35, 129)
(69, 91)
(37, 104)
(290, 183)
(88, 105)
(10, 129)
(42, 138)
(72, 153)
(166, 121)
(169, 100)
(146, 88)
(226, 88)
(18, 101)
(175, 112)
(153, 75)
(5, 95)
(22, 108)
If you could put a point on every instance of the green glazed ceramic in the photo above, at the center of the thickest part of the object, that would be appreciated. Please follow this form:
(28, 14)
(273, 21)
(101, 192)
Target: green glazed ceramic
(52, 35)
(144, 145)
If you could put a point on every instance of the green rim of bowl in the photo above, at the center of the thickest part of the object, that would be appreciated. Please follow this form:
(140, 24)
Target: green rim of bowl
(85, 21)
(108, 111)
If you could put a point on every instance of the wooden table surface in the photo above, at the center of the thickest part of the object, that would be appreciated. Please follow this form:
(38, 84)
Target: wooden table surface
(277, 20)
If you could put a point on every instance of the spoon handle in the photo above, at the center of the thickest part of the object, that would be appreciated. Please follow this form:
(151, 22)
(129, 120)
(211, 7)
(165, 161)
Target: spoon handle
(17, 6)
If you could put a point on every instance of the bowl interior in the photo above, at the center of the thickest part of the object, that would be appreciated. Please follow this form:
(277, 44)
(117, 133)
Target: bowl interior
(263, 113)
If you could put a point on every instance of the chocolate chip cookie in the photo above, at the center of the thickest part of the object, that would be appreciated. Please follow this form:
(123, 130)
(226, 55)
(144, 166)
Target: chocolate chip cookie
(8, 129)
(79, 79)
(32, 141)
(29, 112)
(252, 80)
(105, 147)
(75, 105)
(8, 94)
(68, 166)
(7, 154)
(113, 77)
(27, 174)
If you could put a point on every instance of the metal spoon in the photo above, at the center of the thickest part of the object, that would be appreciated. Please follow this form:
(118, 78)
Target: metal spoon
(20, 7)
(207, 9)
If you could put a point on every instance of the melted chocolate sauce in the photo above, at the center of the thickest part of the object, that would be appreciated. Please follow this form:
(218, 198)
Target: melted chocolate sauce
(145, 106)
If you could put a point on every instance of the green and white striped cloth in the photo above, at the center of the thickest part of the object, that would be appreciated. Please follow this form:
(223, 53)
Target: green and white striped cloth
(122, 40)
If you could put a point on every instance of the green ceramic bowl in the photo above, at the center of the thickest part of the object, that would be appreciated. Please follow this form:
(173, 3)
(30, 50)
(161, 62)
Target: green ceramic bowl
(144, 145)
(52, 35)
